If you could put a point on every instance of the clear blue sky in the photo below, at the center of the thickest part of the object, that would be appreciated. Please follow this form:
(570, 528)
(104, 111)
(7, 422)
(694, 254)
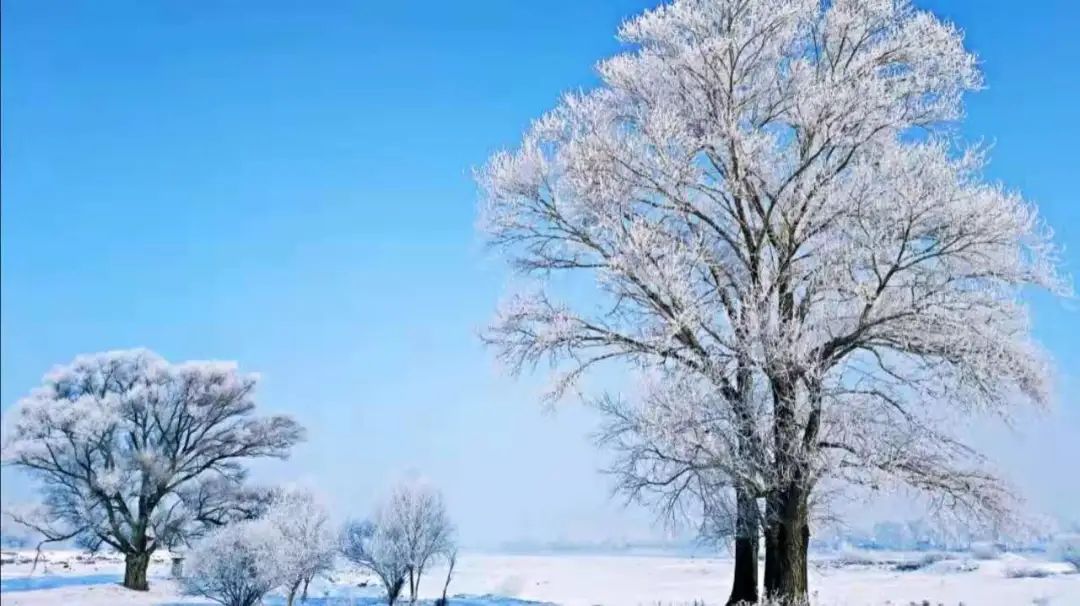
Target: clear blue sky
(288, 184)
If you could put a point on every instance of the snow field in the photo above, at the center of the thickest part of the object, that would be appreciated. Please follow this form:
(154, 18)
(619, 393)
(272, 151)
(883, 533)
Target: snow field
(588, 580)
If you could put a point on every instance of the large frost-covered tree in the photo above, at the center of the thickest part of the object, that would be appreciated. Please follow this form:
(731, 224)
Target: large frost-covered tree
(136, 453)
(769, 195)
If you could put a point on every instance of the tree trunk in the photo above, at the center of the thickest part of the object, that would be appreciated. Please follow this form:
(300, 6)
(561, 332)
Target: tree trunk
(787, 541)
(744, 586)
(788, 534)
(772, 572)
(394, 590)
(135, 565)
(292, 593)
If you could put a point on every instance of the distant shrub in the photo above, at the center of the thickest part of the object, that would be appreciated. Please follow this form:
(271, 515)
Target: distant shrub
(1026, 571)
(985, 550)
(949, 566)
(855, 557)
(920, 563)
(762, 602)
(1066, 548)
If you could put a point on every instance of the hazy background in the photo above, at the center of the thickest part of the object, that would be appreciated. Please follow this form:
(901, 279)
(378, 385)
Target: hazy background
(288, 185)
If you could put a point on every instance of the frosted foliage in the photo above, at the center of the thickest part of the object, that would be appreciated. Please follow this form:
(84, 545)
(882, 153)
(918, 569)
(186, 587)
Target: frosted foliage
(309, 539)
(770, 199)
(138, 453)
(408, 531)
(418, 509)
(1066, 548)
(681, 444)
(236, 565)
(380, 548)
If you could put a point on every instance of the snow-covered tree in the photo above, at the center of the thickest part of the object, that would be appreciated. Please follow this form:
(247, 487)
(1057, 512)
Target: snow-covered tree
(213, 501)
(1066, 547)
(13, 534)
(136, 453)
(451, 562)
(418, 509)
(379, 547)
(308, 539)
(682, 449)
(238, 564)
(408, 532)
(770, 190)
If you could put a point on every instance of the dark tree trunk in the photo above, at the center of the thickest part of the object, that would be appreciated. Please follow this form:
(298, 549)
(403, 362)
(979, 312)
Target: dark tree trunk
(787, 541)
(772, 572)
(135, 565)
(394, 590)
(291, 596)
(744, 585)
(787, 520)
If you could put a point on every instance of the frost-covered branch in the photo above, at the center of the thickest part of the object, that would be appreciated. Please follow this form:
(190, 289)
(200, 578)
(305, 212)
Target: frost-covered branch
(236, 565)
(407, 533)
(773, 190)
(309, 542)
(138, 453)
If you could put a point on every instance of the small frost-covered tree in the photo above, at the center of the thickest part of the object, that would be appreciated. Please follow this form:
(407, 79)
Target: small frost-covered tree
(451, 562)
(418, 508)
(308, 538)
(1066, 548)
(238, 564)
(772, 190)
(378, 546)
(409, 531)
(136, 453)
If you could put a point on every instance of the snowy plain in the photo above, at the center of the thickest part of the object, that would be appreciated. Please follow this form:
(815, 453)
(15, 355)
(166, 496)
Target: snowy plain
(872, 578)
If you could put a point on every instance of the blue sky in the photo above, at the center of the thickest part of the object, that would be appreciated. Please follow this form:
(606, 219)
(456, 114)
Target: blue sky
(288, 185)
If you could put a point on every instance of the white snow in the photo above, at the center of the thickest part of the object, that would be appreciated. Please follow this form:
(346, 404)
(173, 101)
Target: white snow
(588, 580)
(161, 592)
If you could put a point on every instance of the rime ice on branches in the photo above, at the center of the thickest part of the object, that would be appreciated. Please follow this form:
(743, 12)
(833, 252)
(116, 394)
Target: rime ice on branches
(770, 199)
(138, 453)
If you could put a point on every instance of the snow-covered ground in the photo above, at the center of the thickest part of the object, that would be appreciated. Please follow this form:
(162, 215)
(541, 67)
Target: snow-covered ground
(870, 578)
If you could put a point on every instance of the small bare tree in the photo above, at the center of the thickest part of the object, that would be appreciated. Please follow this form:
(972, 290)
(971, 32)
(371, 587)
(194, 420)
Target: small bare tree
(136, 453)
(451, 561)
